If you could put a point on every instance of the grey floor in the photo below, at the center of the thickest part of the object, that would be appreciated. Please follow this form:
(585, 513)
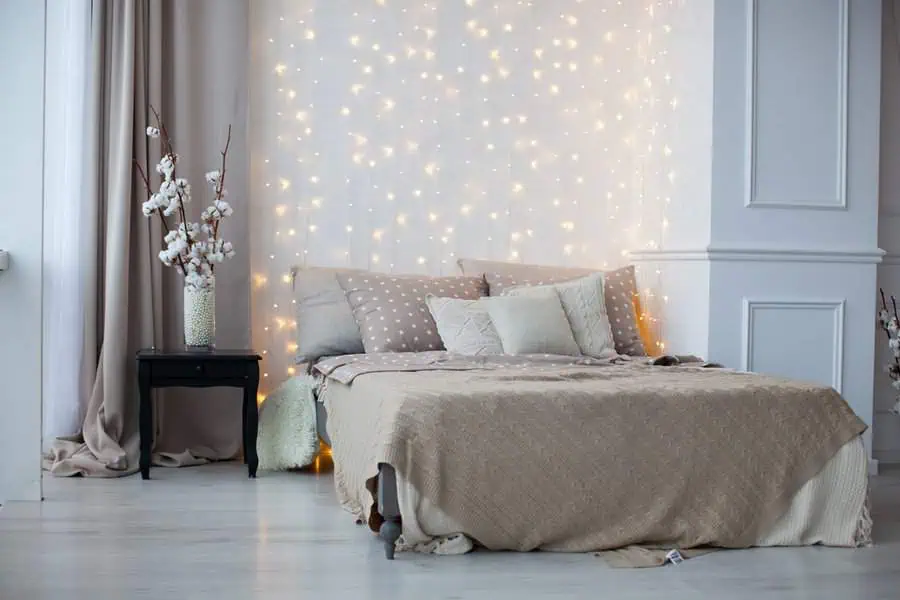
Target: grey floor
(209, 532)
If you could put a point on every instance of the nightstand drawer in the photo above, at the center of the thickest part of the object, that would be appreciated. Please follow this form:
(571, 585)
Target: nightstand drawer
(178, 369)
(226, 369)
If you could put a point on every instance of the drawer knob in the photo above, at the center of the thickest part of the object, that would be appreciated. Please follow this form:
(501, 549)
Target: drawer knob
(198, 367)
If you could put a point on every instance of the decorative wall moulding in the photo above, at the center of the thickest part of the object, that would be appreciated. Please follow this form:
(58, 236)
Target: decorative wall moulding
(751, 197)
(756, 254)
(835, 308)
(891, 258)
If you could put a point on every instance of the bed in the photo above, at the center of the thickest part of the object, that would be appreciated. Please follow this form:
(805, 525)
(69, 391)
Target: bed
(606, 454)
(514, 407)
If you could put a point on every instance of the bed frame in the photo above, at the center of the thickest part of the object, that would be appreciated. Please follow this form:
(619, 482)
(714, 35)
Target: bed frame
(388, 505)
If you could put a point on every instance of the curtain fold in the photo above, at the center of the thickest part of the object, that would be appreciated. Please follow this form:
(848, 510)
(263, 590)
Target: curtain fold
(143, 52)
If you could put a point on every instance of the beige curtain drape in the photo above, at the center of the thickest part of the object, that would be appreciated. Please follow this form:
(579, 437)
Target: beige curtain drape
(188, 59)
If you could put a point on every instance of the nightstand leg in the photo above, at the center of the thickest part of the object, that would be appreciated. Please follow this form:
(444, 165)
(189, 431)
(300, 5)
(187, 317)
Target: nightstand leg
(251, 420)
(145, 418)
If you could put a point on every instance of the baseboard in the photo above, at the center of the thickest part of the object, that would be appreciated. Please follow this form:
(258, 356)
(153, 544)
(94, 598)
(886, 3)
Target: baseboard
(888, 457)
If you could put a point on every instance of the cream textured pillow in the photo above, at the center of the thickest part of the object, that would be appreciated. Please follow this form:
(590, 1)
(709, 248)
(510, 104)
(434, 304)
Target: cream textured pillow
(620, 291)
(585, 307)
(390, 310)
(464, 326)
(533, 324)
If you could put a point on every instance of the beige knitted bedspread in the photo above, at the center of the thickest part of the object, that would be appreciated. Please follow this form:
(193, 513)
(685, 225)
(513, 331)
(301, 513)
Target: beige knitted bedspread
(540, 453)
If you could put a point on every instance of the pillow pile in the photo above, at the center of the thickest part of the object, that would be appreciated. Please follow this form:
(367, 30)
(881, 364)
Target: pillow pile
(493, 308)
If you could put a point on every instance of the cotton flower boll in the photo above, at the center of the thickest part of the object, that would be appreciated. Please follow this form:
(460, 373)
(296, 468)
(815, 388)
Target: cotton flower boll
(213, 177)
(183, 188)
(152, 132)
(168, 189)
(223, 207)
(166, 166)
(148, 207)
(164, 257)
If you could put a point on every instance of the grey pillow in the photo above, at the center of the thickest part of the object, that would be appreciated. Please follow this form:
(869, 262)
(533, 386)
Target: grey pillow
(465, 326)
(583, 302)
(391, 312)
(619, 291)
(325, 323)
(532, 324)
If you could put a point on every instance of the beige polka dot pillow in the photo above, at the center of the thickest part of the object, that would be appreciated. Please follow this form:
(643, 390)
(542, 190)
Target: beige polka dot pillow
(391, 310)
(620, 286)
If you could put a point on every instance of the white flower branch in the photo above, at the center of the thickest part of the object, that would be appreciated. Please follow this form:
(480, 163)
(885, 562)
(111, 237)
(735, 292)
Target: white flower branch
(890, 323)
(193, 248)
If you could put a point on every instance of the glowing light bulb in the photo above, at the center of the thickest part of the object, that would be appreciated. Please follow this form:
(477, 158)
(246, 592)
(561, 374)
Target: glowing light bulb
(291, 94)
(309, 34)
(377, 235)
(432, 217)
(313, 228)
(280, 210)
(465, 209)
(401, 219)
(354, 40)
(317, 202)
(280, 68)
(421, 260)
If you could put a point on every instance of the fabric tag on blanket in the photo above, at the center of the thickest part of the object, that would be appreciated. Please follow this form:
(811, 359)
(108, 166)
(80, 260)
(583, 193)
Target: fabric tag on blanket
(640, 557)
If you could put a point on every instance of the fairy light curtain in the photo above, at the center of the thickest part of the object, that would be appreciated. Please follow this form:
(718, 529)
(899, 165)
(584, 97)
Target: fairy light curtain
(397, 136)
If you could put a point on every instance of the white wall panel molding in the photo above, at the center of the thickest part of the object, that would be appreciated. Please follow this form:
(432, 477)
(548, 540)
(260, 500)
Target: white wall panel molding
(891, 259)
(753, 198)
(763, 254)
(755, 339)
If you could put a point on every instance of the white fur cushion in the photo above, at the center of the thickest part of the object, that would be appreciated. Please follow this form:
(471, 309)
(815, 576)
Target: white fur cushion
(464, 326)
(287, 427)
(583, 302)
(533, 324)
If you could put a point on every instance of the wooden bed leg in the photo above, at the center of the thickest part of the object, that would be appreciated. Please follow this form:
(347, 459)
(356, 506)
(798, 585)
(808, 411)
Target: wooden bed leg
(389, 508)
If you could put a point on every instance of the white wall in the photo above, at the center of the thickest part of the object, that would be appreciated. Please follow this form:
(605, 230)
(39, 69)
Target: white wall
(792, 249)
(542, 133)
(887, 425)
(21, 223)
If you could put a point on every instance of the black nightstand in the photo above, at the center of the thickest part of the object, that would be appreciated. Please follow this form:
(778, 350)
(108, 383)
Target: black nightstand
(216, 368)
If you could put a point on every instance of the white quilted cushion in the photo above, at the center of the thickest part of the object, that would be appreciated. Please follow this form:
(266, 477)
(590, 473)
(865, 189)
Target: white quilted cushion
(585, 307)
(532, 324)
(464, 326)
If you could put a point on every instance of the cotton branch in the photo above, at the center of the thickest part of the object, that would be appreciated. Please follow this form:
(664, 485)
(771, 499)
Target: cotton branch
(159, 211)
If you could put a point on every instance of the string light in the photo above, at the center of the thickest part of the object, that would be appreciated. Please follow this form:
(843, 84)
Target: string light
(538, 141)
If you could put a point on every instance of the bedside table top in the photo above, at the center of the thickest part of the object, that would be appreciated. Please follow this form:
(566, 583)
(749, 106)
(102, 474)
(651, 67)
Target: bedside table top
(211, 355)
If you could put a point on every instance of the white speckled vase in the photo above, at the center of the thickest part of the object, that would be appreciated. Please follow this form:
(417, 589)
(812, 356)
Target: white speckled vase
(199, 317)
